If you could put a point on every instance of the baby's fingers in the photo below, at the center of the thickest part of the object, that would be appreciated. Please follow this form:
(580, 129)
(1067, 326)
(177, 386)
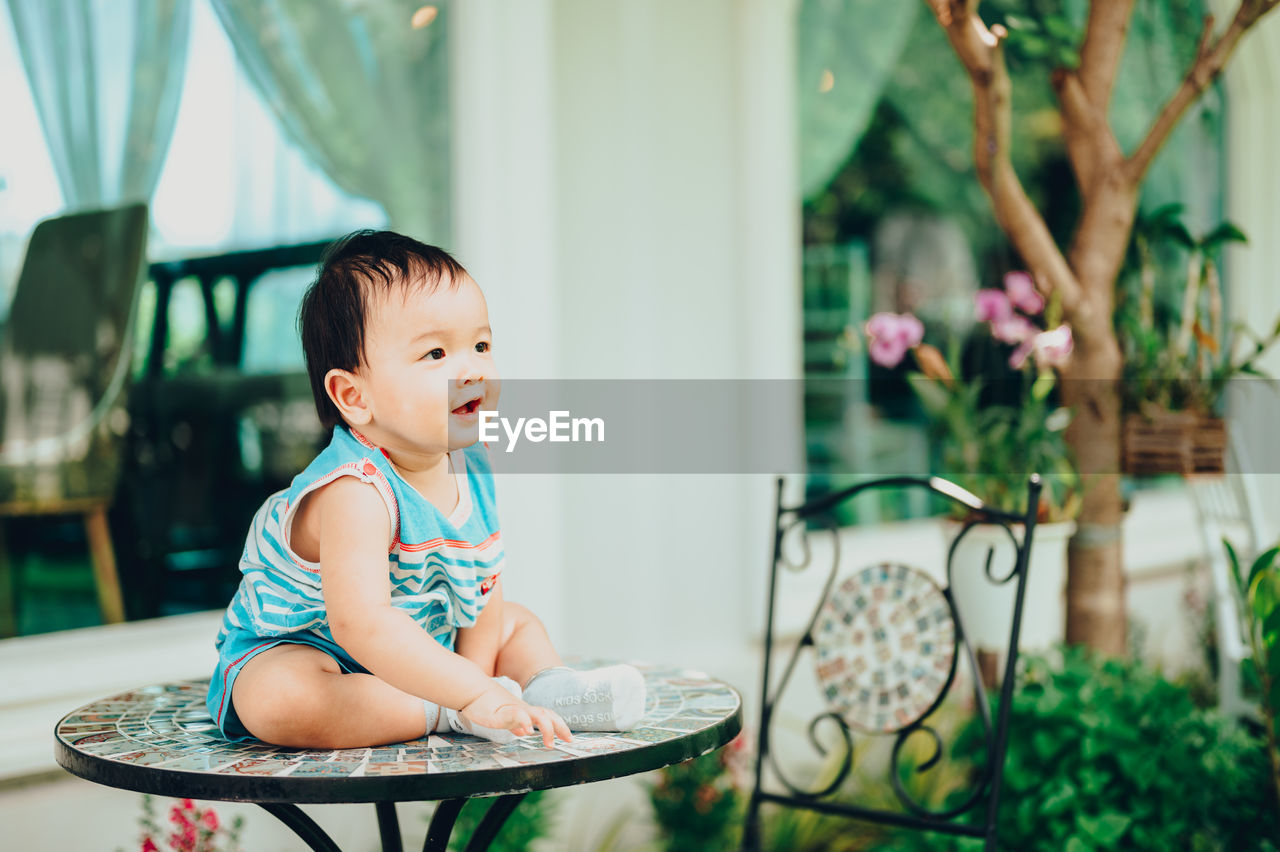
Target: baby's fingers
(551, 725)
(517, 721)
(562, 728)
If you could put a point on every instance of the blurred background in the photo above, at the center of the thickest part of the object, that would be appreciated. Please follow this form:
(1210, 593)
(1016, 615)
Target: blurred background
(645, 189)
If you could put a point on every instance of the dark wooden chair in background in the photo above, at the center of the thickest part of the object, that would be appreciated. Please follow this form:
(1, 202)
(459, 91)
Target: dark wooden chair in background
(886, 640)
(65, 355)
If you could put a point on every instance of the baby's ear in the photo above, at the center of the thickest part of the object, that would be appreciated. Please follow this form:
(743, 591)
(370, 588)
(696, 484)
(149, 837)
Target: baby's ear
(344, 388)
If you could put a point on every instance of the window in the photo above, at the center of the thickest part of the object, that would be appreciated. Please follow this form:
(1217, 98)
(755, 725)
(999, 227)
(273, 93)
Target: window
(231, 181)
(897, 220)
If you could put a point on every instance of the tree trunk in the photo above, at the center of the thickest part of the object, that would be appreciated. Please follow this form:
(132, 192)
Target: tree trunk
(1095, 568)
(1096, 602)
(1085, 280)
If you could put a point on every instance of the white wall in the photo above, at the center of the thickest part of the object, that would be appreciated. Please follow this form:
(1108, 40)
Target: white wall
(1252, 82)
(628, 203)
(678, 243)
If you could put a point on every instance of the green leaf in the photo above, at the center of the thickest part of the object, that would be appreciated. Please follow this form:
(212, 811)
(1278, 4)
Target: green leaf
(1043, 385)
(1075, 844)
(1106, 829)
(1234, 561)
(1271, 629)
(1166, 214)
(933, 395)
(1057, 802)
(1273, 700)
(1261, 564)
(1017, 23)
(1033, 46)
(1180, 235)
(1226, 232)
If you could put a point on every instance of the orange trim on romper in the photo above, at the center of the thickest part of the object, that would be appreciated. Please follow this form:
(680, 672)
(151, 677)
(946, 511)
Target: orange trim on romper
(450, 542)
(338, 472)
(362, 439)
(227, 671)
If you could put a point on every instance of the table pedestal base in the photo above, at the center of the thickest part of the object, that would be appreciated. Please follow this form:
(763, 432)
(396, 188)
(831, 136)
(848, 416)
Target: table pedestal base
(438, 833)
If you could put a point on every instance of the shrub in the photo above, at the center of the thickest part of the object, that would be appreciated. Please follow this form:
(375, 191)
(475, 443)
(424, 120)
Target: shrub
(1105, 754)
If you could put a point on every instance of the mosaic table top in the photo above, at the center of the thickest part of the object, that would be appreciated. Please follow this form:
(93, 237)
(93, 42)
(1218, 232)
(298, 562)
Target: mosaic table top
(160, 739)
(886, 646)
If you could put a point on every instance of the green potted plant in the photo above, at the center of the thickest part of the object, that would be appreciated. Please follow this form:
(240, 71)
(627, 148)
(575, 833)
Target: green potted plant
(1259, 590)
(991, 446)
(1106, 754)
(1180, 353)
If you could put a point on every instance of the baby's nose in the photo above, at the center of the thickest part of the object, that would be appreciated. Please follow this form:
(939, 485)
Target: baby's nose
(470, 373)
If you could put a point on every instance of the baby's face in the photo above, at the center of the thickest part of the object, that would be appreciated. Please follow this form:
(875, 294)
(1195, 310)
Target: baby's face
(428, 367)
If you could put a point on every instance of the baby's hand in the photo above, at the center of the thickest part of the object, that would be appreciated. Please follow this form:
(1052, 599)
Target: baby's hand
(496, 708)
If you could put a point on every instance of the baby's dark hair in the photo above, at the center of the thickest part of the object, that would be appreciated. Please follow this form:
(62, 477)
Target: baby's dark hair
(333, 313)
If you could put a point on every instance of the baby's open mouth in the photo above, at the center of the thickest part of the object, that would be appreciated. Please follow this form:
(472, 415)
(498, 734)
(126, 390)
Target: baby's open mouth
(468, 407)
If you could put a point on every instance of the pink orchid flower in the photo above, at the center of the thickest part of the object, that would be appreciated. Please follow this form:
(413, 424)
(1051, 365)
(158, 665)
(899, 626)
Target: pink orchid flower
(1022, 292)
(891, 335)
(992, 305)
(1013, 329)
(1050, 348)
(1055, 346)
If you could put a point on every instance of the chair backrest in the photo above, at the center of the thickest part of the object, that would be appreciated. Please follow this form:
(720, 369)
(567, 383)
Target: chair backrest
(886, 641)
(66, 346)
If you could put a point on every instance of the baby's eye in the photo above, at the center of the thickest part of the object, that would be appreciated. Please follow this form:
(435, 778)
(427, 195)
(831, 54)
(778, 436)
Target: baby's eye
(483, 346)
(434, 355)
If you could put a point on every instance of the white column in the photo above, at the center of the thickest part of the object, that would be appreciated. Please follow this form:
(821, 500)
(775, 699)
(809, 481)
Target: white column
(1252, 80)
(505, 233)
(679, 247)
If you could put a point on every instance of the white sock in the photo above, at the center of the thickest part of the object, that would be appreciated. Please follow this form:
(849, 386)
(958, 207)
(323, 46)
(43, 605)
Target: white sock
(607, 699)
(453, 720)
(433, 714)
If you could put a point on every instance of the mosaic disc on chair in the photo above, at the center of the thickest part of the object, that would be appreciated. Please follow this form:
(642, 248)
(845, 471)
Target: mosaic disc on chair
(885, 641)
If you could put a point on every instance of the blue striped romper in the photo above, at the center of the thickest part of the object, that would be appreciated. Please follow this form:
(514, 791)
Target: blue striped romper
(441, 568)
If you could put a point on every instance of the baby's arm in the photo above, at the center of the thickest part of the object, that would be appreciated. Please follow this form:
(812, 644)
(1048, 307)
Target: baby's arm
(480, 643)
(355, 531)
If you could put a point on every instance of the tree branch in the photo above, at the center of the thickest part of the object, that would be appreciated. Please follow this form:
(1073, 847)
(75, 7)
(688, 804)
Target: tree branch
(979, 51)
(1209, 61)
(1103, 46)
(1091, 146)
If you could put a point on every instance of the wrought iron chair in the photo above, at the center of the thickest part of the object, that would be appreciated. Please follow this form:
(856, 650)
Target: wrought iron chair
(886, 641)
(65, 353)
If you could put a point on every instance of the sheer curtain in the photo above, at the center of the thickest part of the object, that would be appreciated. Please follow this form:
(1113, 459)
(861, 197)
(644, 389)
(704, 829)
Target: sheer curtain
(847, 50)
(105, 76)
(364, 90)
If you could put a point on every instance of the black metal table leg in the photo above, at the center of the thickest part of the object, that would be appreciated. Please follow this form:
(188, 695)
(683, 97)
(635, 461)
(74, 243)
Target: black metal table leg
(302, 825)
(389, 827)
(442, 825)
(493, 821)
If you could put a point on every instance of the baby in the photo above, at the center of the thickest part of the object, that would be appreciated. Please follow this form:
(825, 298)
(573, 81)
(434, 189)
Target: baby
(371, 608)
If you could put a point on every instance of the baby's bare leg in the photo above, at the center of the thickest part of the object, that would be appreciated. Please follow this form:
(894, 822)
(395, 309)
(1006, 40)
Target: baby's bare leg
(297, 695)
(525, 648)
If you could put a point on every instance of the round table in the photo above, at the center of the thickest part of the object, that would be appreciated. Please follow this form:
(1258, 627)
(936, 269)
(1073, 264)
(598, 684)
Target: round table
(160, 739)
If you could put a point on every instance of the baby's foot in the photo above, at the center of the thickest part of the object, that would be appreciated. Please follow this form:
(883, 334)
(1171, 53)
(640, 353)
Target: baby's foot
(607, 699)
(461, 725)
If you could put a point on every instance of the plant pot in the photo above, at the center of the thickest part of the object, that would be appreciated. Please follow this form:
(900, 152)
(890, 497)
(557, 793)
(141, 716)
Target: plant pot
(1182, 442)
(1209, 445)
(986, 609)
